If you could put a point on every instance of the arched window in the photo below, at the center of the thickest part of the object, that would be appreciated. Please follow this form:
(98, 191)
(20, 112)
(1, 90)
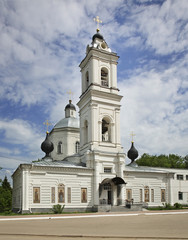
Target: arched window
(60, 148)
(85, 132)
(105, 130)
(104, 77)
(87, 79)
(77, 146)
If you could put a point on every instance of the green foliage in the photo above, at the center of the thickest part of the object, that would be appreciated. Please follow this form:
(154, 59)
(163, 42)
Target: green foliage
(168, 206)
(6, 184)
(58, 208)
(178, 205)
(5, 196)
(165, 161)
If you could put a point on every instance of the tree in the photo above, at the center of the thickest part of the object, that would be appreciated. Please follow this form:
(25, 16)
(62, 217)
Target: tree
(5, 196)
(166, 161)
(186, 161)
(6, 184)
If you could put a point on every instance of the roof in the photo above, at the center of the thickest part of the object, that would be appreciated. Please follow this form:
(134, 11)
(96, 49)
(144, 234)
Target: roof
(148, 169)
(64, 163)
(70, 106)
(68, 122)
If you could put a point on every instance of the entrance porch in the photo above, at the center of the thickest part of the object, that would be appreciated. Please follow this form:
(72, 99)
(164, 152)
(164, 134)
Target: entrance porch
(110, 192)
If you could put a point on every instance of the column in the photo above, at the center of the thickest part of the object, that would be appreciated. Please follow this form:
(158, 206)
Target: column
(96, 183)
(25, 193)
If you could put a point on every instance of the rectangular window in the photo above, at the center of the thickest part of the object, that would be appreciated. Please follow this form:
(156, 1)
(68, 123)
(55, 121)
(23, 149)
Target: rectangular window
(152, 195)
(146, 194)
(61, 193)
(107, 170)
(180, 196)
(179, 177)
(69, 195)
(141, 195)
(36, 195)
(83, 195)
(163, 195)
(53, 194)
(186, 177)
(129, 194)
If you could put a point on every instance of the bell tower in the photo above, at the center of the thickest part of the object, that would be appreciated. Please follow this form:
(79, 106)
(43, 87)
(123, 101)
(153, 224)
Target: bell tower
(100, 146)
(99, 102)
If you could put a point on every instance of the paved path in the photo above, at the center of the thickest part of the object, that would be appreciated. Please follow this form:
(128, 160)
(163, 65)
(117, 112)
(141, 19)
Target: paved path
(137, 225)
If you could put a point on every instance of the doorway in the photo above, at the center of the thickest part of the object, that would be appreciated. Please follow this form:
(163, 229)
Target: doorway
(109, 197)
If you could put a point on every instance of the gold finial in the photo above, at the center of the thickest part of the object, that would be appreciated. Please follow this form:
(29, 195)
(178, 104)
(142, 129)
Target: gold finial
(98, 21)
(47, 125)
(70, 95)
(132, 135)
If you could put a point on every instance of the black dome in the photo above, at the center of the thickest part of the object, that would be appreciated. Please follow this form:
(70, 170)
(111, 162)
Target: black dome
(47, 146)
(97, 35)
(70, 106)
(132, 153)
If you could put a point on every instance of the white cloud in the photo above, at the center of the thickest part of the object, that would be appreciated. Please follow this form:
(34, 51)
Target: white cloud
(165, 27)
(156, 111)
(20, 132)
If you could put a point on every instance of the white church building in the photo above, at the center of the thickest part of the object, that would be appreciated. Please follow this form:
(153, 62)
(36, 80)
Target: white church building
(84, 167)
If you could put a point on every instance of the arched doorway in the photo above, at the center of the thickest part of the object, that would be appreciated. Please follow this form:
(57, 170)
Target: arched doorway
(110, 191)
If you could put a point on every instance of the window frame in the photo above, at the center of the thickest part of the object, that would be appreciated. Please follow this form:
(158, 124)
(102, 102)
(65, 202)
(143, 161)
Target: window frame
(105, 77)
(84, 195)
(107, 170)
(129, 194)
(146, 194)
(152, 195)
(34, 196)
(180, 177)
(52, 194)
(60, 147)
(163, 195)
(77, 146)
(61, 187)
(180, 196)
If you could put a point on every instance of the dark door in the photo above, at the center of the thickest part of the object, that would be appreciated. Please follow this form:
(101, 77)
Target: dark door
(109, 197)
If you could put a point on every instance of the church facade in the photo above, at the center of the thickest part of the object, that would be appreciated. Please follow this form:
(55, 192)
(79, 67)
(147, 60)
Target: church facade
(84, 167)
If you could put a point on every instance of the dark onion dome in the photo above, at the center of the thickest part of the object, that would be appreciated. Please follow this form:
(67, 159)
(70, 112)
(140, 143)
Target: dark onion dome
(97, 35)
(70, 106)
(132, 153)
(47, 146)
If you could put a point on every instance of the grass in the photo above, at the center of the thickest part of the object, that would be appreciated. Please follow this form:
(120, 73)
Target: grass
(167, 206)
(47, 213)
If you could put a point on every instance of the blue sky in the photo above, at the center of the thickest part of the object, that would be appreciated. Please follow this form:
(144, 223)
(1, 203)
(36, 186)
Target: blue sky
(42, 43)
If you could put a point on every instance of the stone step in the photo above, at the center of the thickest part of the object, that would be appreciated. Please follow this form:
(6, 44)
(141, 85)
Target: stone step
(109, 208)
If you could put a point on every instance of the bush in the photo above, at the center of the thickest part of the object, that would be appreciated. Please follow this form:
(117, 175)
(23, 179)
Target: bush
(58, 208)
(168, 206)
(177, 205)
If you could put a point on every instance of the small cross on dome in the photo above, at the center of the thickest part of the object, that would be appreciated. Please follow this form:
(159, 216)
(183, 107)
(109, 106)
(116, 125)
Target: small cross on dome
(97, 20)
(47, 123)
(132, 135)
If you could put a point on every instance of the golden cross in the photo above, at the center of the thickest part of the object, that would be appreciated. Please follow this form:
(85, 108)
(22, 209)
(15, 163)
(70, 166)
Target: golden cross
(132, 135)
(47, 124)
(98, 21)
(70, 94)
